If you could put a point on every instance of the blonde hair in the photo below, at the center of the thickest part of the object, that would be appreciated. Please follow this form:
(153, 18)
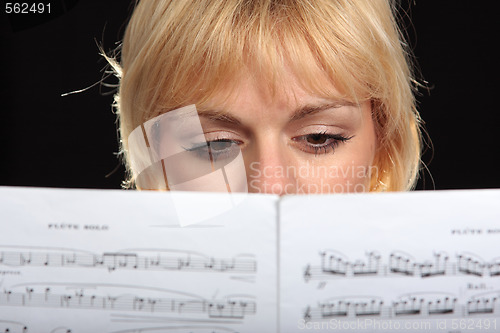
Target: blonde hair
(176, 53)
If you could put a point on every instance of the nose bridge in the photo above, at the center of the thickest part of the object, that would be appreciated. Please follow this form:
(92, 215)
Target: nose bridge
(268, 169)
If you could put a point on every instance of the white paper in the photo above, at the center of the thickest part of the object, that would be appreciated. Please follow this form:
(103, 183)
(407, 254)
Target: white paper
(125, 261)
(119, 261)
(423, 261)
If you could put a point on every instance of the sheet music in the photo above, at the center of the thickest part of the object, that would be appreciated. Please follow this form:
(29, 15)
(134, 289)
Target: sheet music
(123, 261)
(119, 261)
(391, 262)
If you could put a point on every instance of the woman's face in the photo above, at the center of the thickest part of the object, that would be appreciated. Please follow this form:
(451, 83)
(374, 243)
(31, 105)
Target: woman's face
(294, 143)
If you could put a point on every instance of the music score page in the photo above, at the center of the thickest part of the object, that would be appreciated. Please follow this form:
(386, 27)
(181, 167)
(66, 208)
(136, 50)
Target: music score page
(120, 261)
(421, 262)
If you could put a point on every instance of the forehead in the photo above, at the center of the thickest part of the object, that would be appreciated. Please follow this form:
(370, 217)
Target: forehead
(288, 90)
(249, 103)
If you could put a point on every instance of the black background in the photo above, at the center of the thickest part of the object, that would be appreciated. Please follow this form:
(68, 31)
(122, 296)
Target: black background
(53, 141)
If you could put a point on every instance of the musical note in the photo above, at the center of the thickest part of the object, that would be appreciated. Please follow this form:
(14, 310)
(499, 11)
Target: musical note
(470, 264)
(483, 303)
(371, 267)
(231, 307)
(410, 306)
(346, 307)
(372, 307)
(425, 304)
(9, 326)
(494, 267)
(139, 260)
(419, 305)
(334, 309)
(400, 262)
(442, 305)
(335, 265)
(117, 260)
(333, 262)
(438, 267)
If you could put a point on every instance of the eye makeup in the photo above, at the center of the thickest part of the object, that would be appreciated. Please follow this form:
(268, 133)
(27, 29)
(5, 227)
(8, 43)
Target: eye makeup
(320, 143)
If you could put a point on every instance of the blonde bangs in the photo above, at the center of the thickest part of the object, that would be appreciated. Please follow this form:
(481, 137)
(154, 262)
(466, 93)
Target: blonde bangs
(208, 53)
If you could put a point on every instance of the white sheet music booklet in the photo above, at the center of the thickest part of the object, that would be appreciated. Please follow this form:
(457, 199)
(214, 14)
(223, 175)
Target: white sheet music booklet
(129, 262)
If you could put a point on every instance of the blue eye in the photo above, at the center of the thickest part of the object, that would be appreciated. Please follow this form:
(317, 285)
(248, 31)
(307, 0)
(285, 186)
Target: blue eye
(215, 150)
(220, 146)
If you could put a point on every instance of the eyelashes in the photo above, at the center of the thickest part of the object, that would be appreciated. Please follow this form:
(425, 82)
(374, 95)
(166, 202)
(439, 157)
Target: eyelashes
(222, 148)
(216, 149)
(320, 143)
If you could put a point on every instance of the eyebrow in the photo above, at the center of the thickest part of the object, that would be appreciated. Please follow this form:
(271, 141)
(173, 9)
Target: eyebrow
(216, 115)
(299, 113)
(308, 110)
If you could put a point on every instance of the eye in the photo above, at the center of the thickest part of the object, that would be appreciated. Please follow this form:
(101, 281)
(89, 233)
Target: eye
(220, 146)
(221, 149)
(316, 139)
(320, 143)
